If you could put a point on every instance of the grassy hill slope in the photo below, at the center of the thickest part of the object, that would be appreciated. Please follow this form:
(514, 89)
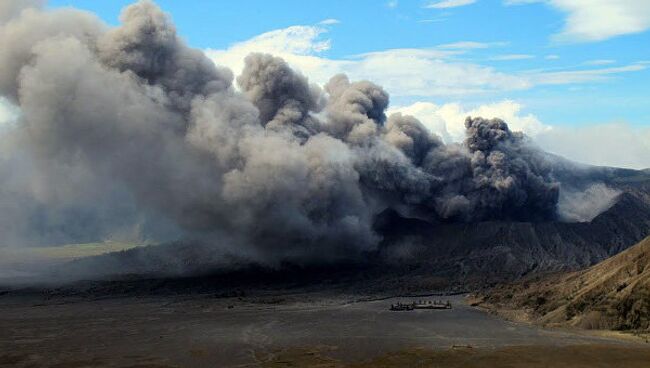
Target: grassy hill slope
(613, 294)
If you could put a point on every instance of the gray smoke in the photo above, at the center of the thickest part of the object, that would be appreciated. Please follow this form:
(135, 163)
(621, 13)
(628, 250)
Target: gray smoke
(355, 111)
(584, 205)
(11, 9)
(511, 179)
(284, 98)
(128, 125)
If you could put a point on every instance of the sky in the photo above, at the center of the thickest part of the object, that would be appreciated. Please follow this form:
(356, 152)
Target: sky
(572, 74)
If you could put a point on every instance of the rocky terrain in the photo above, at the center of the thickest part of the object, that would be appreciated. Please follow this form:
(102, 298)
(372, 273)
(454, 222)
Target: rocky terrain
(614, 294)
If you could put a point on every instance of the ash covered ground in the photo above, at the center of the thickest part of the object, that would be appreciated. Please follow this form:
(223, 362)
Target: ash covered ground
(253, 330)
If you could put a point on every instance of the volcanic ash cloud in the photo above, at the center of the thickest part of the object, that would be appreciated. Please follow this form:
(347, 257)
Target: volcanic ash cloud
(276, 169)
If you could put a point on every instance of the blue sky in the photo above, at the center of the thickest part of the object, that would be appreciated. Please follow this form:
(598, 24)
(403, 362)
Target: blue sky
(525, 30)
(541, 63)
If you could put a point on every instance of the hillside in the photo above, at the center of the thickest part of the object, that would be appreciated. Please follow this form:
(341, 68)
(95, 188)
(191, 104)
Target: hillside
(499, 250)
(614, 294)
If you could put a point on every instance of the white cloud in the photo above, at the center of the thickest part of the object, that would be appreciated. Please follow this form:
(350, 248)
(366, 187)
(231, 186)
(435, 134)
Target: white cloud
(520, 2)
(448, 120)
(596, 20)
(584, 76)
(509, 57)
(431, 72)
(467, 45)
(449, 4)
(615, 144)
(329, 21)
(551, 57)
(298, 45)
(599, 62)
(392, 4)
(299, 40)
(433, 20)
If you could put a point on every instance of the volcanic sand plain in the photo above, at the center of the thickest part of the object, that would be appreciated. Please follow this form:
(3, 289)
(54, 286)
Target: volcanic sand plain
(292, 330)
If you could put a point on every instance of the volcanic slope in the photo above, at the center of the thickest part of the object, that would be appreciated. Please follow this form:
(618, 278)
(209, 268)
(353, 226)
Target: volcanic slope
(499, 250)
(614, 294)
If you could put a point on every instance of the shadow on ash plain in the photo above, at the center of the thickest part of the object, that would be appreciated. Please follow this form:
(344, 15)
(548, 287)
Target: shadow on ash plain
(201, 332)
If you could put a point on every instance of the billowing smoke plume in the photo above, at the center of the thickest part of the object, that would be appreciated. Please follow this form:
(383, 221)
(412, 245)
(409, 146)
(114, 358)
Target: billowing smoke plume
(584, 205)
(129, 125)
